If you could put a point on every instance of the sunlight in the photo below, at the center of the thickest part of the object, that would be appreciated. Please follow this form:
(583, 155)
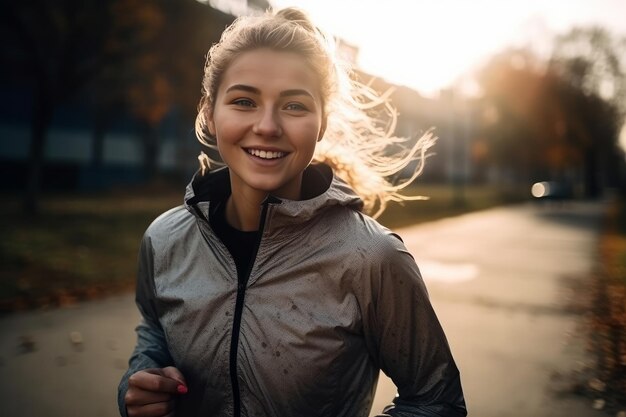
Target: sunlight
(423, 46)
(431, 52)
(430, 45)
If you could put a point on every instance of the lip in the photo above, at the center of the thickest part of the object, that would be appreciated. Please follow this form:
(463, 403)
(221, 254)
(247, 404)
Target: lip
(264, 148)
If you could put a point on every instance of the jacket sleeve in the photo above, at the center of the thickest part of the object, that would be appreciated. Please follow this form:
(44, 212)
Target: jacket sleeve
(406, 339)
(151, 350)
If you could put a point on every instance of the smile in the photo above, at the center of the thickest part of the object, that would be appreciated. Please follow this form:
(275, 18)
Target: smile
(266, 154)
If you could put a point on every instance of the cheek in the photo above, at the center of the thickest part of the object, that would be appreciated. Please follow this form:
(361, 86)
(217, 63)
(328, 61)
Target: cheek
(310, 135)
(227, 132)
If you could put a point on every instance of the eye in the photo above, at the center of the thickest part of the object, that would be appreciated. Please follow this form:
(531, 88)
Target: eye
(295, 107)
(243, 102)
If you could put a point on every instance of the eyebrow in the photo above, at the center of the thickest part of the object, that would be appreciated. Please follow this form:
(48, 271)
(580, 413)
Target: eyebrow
(243, 87)
(296, 92)
(254, 90)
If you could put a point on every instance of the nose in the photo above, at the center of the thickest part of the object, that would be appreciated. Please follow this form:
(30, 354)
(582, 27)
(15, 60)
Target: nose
(268, 124)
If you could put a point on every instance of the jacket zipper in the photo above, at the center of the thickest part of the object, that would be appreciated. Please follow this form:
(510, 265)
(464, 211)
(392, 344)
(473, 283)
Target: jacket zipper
(242, 282)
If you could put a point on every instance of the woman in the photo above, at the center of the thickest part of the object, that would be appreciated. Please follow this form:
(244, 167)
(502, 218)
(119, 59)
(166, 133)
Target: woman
(270, 293)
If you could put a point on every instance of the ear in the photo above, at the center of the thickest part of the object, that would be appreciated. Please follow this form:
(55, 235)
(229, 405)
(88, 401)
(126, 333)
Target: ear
(211, 126)
(210, 122)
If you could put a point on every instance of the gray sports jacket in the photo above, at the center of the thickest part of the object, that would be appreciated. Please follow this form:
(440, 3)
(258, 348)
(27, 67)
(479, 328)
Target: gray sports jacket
(332, 298)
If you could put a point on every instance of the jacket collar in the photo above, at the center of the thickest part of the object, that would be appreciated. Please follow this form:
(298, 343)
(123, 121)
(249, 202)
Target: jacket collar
(321, 189)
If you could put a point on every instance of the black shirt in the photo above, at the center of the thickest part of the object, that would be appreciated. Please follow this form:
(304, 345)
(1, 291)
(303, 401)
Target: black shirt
(240, 244)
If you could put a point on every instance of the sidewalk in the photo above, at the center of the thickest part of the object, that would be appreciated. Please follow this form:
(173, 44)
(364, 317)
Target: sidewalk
(509, 315)
(66, 362)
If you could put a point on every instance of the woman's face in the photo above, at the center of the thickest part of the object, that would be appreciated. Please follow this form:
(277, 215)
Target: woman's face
(267, 118)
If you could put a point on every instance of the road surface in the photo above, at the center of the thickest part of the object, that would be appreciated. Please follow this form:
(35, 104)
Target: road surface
(502, 282)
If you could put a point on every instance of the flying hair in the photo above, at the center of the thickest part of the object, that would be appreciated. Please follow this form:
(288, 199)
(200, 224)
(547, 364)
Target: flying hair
(360, 147)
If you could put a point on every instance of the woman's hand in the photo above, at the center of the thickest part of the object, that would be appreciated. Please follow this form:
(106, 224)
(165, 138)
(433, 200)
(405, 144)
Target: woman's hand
(152, 392)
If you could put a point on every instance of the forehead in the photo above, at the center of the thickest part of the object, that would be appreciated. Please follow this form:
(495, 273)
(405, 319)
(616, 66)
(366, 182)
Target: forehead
(270, 70)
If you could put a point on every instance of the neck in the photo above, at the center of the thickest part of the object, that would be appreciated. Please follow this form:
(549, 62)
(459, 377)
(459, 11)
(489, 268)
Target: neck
(243, 208)
(243, 211)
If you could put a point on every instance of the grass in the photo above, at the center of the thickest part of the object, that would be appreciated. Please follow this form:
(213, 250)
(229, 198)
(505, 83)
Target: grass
(85, 246)
(78, 247)
(444, 201)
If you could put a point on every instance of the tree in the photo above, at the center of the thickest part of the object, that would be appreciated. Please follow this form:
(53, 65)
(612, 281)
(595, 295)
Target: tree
(549, 119)
(593, 60)
(163, 45)
(140, 29)
(55, 48)
(592, 65)
(514, 84)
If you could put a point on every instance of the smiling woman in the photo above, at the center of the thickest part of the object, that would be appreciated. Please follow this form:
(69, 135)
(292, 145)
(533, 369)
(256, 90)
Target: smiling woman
(268, 117)
(271, 292)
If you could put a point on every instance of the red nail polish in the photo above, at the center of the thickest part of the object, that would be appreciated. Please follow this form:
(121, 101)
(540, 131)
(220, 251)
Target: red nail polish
(181, 389)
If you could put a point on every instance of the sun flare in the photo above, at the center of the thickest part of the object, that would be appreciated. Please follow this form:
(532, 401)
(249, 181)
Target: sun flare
(430, 45)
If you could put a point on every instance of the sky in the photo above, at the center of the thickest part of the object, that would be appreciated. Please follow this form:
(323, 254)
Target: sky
(429, 45)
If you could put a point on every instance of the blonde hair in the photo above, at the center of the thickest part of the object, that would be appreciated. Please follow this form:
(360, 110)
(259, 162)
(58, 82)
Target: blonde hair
(356, 144)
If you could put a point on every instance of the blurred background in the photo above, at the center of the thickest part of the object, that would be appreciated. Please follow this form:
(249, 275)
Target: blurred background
(98, 101)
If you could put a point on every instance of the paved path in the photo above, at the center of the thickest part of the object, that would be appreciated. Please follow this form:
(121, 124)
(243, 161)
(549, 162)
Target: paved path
(499, 280)
(48, 375)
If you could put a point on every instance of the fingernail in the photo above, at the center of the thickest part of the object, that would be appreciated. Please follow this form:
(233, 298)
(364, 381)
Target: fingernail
(181, 389)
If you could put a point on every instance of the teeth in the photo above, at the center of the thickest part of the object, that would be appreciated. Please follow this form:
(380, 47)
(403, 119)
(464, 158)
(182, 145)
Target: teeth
(265, 154)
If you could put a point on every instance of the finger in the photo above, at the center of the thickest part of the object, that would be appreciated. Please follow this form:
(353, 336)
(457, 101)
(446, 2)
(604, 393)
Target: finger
(162, 409)
(138, 396)
(151, 382)
(176, 375)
